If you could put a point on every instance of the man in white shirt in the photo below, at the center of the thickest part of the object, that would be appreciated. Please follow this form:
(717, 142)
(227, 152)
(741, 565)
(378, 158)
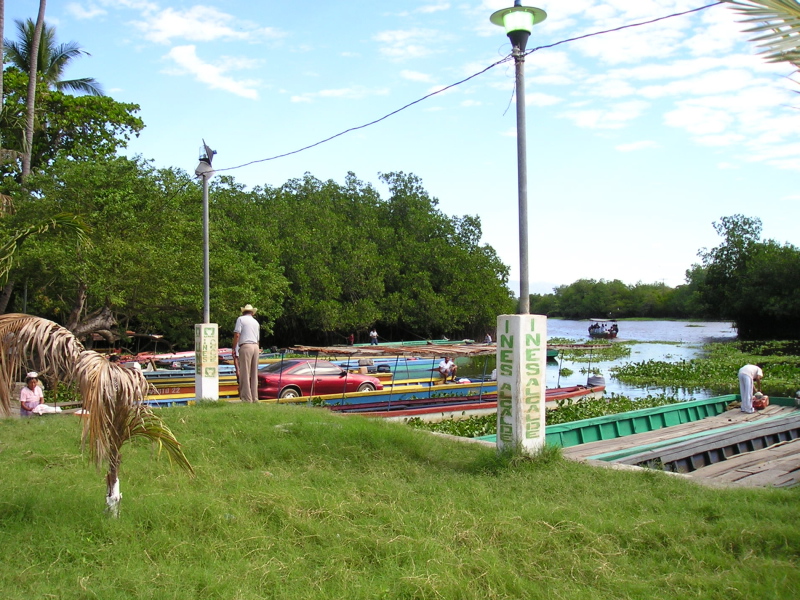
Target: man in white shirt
(246, 350)
(749, 376)
(447, 368)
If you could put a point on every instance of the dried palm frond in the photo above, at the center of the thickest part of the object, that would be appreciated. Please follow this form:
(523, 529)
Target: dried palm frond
(778, 21)
(112, 395)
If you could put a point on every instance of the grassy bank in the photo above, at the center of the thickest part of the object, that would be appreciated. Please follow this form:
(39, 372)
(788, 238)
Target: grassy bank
(293, 502)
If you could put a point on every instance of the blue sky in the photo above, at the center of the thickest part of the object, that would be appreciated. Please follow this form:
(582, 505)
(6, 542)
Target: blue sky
(637, 140)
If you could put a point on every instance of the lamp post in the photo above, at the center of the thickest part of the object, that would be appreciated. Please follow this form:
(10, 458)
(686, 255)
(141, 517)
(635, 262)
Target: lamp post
(518, 22)
(521, 338)
(206, 334)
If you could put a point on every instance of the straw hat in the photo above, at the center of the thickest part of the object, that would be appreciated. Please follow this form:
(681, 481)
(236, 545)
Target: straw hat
(249, 308)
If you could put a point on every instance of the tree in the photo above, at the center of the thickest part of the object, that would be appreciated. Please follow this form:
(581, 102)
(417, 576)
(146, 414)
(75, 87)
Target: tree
(777, 23)
(112, 395)
(80, 127)
(51, 60)
(750, 281)
(143, 269)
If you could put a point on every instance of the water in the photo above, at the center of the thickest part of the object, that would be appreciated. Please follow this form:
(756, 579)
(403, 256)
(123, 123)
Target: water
(686, 341)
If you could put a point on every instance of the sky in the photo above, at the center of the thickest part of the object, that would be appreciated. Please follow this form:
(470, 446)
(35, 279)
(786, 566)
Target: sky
(637, 140)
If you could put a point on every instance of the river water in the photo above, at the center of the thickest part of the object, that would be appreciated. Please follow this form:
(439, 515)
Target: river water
(679, 340)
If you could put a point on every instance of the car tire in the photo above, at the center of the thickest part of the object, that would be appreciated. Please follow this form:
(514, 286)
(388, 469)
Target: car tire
(290, 393)
(366, 387)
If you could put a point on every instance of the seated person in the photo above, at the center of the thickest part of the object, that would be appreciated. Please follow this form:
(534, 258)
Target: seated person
(447, 368)
(31, 395)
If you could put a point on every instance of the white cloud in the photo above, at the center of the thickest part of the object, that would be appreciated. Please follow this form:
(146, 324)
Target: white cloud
(635, 146)
(353, 93)
(540, 99)
(416, 76)
(471, 103)
(81, 12)
(185, 57)
(200, 24)
(432, 8)
(614, 116)
(403, 44)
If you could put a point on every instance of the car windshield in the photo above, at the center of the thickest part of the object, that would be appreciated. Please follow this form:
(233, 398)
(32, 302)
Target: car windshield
(280, 366)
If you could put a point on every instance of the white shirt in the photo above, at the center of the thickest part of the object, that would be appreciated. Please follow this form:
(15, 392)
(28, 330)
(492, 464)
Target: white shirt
(248, 329)
(752, 371)
(445, 366)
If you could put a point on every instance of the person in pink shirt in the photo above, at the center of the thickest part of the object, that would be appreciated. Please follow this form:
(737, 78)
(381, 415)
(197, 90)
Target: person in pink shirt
(31, 395)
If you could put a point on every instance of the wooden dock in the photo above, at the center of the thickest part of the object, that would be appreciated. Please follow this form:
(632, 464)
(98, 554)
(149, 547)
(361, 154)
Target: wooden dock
(732, 448)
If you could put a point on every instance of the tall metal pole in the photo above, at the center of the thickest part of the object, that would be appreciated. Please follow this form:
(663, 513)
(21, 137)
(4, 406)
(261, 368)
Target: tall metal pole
(522, 183)
(206, 268)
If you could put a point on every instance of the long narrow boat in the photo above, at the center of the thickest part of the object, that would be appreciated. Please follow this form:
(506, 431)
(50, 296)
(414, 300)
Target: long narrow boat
(460, 408)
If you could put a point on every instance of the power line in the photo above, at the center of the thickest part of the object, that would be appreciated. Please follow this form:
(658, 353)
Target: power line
(473, 76)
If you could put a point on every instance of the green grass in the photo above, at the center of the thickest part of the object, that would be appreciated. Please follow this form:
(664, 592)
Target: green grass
(295, 502)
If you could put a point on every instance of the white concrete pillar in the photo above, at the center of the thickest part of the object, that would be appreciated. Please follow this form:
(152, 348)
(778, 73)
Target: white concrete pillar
(521, 379)
(206, 372)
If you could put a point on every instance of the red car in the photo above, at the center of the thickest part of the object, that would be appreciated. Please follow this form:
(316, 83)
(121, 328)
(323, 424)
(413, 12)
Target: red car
(307, 376)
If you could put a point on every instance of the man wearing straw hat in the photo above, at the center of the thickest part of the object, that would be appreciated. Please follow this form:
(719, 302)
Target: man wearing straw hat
(245, 353)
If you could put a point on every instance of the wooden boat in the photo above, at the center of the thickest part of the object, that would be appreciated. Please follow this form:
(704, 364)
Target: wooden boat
(601, 329)
(438, 409)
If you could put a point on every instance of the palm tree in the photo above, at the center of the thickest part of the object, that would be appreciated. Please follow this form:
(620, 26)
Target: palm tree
(777, 23)
(112, 395)
(53, 59)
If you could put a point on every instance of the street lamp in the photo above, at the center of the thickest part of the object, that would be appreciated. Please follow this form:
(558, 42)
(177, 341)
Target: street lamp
(518, 22)
(521, 338)
(206, 334)
(205, 171)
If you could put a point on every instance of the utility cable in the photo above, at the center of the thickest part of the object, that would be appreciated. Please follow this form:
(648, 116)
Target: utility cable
(462, 81)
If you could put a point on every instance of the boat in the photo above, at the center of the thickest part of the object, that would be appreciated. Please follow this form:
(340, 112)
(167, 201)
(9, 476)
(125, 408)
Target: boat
(601, 329)
(439, 409)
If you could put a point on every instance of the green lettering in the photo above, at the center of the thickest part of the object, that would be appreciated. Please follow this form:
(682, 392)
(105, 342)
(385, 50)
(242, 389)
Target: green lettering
(533, 340)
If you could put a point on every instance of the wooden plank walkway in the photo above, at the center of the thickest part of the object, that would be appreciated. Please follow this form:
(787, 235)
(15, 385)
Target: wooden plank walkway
(777, 465)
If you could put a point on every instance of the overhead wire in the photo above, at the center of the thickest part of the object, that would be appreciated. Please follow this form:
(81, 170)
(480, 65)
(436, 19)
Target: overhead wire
(503, 60)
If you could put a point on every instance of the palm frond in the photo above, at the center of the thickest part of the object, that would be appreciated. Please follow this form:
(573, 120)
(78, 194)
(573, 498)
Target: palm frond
(778, 24)
(143, 423)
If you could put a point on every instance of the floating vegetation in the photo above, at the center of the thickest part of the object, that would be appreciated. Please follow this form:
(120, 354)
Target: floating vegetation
(604, 350)
(718, 369)
(566, 412)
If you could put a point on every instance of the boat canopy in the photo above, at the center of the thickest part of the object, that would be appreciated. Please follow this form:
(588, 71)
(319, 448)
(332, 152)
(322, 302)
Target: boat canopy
(604, 320)
(429, 351)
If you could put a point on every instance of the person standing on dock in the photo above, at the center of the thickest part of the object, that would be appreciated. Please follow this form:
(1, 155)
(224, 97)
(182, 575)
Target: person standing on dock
(373, 337)
(245, 351)
(750, 377)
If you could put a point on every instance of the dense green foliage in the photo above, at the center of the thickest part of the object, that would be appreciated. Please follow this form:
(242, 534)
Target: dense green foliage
(750, 281)
(74, 127)
(318, 259)
(297, 503)
(590, 298)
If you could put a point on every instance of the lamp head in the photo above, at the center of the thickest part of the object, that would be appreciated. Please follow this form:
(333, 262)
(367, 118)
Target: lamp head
(206, 153)
(518, 22)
